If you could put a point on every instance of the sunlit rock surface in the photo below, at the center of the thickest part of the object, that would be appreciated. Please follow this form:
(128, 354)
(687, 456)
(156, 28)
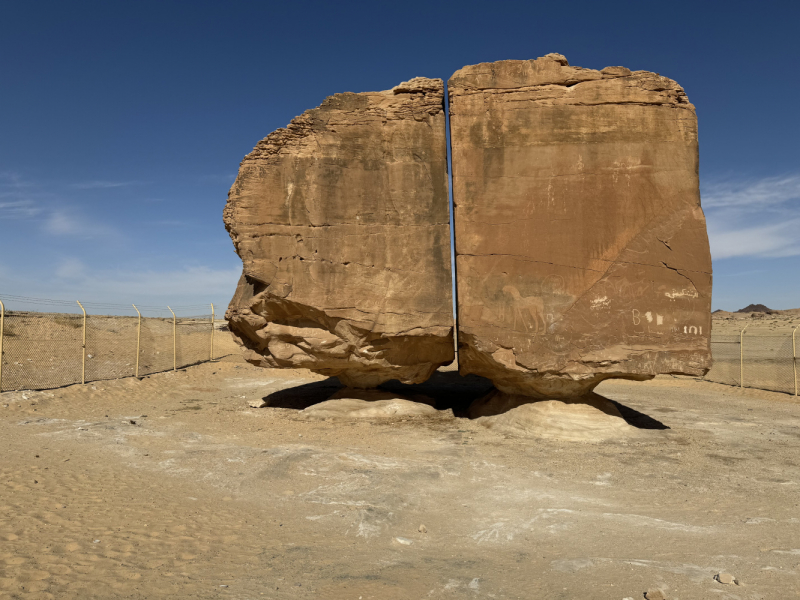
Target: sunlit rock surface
(341, 221)
(582, 251)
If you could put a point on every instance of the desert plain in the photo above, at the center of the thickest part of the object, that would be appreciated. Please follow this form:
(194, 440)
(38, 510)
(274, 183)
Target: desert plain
(175, 486)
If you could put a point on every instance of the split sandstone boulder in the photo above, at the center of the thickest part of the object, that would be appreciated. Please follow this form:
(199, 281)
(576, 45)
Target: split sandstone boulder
(581, 247)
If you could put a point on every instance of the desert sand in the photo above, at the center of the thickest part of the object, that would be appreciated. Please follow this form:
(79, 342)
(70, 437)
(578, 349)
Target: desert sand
(173, 486)
(731, 323)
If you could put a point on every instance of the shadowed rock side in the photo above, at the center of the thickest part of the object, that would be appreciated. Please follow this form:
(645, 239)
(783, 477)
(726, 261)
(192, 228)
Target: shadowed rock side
(582, 251)
(341, 221)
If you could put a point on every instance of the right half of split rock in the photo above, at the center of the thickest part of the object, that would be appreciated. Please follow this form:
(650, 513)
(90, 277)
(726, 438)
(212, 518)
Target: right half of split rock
(581, 246)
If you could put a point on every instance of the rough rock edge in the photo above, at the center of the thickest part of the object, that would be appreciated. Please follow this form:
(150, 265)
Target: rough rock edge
(673, 94)
(429, 94)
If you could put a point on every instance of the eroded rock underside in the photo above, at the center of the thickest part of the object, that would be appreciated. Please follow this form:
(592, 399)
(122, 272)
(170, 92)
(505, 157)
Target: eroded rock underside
(341, 221)
(582, 251)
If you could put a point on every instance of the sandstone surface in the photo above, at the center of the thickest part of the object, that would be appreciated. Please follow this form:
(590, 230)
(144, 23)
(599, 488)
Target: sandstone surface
(581, 246)
(590, 419)
(349, 403)
(497, 402)
(341, 222)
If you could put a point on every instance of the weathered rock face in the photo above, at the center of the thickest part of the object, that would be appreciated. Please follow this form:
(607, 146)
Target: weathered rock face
(582, 251)
(341, 221)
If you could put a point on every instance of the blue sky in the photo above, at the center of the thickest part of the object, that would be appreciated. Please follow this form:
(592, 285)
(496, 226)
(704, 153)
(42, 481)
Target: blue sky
(122, 124)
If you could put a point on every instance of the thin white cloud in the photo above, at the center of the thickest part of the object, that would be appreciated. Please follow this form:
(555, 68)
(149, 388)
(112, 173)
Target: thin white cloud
(766, 241)
(99, 184)
(19, 209)
(71, 268)
(753, 217)
(67, 223)
(187, 285)
(9, 179)
(19, 199)
(226, 177)
(751, 193)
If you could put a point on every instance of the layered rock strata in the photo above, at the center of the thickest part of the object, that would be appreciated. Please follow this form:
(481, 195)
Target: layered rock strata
(582, 251)
(341, 222)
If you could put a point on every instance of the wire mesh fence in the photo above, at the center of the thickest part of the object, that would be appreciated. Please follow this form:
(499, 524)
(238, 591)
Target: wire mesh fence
(57, 345)
(43, 349)
(757, 359)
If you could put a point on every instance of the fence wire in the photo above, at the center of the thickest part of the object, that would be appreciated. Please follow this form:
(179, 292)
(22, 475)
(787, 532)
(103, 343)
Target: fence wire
(765, 360)
(43, 350)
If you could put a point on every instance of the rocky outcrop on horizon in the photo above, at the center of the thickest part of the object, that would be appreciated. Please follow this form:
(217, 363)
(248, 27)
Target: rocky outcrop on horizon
(755, 308)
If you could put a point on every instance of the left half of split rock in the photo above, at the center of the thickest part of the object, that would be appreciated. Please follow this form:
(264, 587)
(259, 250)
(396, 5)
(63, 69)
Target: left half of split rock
(341, 222)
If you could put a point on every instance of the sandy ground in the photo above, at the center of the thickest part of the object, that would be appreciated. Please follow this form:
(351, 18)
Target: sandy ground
(173, 486)
(45, 351)
(725, 323)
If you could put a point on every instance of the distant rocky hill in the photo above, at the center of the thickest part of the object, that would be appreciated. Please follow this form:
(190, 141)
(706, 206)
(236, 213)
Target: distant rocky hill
(757, 310)
(750, 308)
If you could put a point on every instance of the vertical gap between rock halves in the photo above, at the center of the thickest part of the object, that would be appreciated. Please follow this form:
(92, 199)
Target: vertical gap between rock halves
(451, 210)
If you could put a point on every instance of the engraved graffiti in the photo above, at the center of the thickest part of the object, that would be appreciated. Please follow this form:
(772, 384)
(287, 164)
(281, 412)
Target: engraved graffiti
(681, 294)
(533, 306)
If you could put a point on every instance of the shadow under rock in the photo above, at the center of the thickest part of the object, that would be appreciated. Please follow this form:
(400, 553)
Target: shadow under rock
(636, 419)
(303, 396)
(447, 388)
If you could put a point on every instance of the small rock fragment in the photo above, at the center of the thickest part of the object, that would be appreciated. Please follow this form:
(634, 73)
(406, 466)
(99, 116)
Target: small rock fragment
(404, 541)
(423, 529)
(655, 594)
(725, 578)
(257, 403)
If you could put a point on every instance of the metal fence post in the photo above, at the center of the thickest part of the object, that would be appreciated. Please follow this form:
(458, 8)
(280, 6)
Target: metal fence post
(174, 341)
(2, 330)
(794, 358)
(83, 346)
(741, 356)
(212, 332)
(138, 338)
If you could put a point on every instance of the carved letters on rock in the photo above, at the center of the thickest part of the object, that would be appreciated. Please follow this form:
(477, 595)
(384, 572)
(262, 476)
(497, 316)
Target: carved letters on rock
(341, 221)
(581, 247)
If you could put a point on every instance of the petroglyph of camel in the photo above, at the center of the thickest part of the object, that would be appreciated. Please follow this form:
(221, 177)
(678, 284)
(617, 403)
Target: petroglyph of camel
(533, 305)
